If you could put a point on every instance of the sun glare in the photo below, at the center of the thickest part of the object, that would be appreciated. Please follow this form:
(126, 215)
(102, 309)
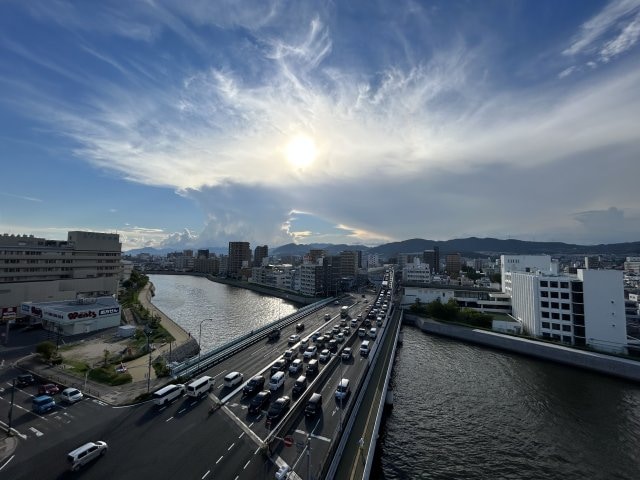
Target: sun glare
(301, 151)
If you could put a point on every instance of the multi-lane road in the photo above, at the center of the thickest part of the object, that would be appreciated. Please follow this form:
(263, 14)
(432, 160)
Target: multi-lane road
(183, 440)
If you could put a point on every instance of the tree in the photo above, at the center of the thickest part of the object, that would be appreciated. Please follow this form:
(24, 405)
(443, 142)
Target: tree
(496, 278)
(46, 350)
(106, 353)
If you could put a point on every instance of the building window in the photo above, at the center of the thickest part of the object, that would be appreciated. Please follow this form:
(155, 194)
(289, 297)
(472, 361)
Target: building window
(555, 336)
(544, 304)
(544, 283)
(555, 316)
(545, 314)
(546, 335)
(566, 339)
(554, 284)
(566, 328)
(564, 284)
(566, 317)
(555, 326)
(566, 306)
(545, 324)
(554, 294)
(555, 305)
(564, 295)
(544, 294)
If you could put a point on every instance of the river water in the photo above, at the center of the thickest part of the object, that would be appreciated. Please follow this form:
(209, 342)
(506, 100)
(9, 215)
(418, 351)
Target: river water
(460, 411)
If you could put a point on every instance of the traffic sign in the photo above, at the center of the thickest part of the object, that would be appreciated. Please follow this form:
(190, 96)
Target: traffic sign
(288, 441)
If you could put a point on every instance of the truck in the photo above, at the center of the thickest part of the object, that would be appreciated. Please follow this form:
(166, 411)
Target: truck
(344, 311)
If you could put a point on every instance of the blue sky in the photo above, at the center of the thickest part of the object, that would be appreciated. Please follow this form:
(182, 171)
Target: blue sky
(185, 124)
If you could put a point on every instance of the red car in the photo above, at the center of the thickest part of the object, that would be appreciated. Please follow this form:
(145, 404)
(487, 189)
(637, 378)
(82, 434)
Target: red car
(48, 389)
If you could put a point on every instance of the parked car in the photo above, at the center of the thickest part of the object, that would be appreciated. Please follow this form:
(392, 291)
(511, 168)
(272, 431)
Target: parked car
(346, 353)
(278, 409)
(254, 385)
(25, 380)
(71, 395)
(48, 389)
(295, 366)
(259, 402)
(42, 404)
(325, 356)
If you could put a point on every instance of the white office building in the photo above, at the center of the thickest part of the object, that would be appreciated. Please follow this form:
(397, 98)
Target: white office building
(416, 273)
(587, 309)
(524, 263)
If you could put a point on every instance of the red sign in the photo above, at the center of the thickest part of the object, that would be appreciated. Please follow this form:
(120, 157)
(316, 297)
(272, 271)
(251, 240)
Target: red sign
(288, 441)
(76, 315)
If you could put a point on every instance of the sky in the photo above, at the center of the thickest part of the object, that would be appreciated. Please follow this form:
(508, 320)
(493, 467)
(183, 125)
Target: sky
(186, 124)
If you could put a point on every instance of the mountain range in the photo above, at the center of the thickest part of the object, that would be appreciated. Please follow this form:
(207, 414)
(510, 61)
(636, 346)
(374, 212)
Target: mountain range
(466, 246)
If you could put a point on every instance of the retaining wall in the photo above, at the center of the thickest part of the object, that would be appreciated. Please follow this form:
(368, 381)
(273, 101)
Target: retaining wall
(598, 362)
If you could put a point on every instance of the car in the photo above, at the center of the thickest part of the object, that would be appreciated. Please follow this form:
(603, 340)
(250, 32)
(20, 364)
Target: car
(299, 327)
(259, 402)
(71, 395)
(278, 366)
(328, 335)
(359, 317)
(290, 355)
(254, 385)
(346, 353)
(294, 339)
(314, 405)
(232, 379)
(343, 322)
(336, 329)
(327, 316)
(278, 409)
(312, 367)
(340, 337)
(343, 389)
(25, 380)
(311, 352)
(346, 331)
(354, 323)
(362, 332)
(295, 366)
(333, 345)
(325, 356)
(300, 385)
(42, 404)
(48, 389)
(86, 453)
(320, 340)
(315, 336)
(274, 334)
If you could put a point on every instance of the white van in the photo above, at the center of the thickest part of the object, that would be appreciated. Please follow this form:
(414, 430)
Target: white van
(232, 379)
(277, 380)
(364, 348)
(87, 452)
(200, 386)
(373, 332)
(168, 393)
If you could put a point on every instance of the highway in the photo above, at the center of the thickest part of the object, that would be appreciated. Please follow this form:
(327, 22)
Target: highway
(183, 438)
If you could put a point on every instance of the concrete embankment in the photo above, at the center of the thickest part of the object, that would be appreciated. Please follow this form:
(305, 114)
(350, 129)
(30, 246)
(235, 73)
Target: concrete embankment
(598, 362)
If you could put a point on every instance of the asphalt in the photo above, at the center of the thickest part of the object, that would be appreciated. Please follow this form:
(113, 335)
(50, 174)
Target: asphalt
(119, 395)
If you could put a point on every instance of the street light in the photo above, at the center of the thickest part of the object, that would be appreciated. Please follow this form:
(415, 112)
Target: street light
(147, 333)
(200, 339)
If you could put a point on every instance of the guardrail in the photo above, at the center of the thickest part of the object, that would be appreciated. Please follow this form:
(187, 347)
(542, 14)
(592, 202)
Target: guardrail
(195, 365)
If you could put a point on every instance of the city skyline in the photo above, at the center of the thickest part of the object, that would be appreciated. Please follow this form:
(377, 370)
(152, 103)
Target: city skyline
(178, 125)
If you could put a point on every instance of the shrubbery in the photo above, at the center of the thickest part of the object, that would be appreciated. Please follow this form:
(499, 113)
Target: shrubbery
(451, 312)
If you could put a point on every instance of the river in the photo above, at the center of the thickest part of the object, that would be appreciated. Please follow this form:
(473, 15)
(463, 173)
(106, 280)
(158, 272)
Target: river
(460, 411)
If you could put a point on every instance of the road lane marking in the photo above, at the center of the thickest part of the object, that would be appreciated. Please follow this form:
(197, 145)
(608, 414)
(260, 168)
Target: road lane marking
(162, 408)
(36, 431)
(231, 446)
(168, 419)
(241, 435)
(319, 437)
(220, 459)
(251, 424)
(7, 462)
(256, 452)
(181, 411)
(301, 431)
(237, 477)
(205, 475)
(247, 464)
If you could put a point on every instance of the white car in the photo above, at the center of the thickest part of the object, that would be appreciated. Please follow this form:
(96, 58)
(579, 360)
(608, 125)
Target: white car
(71, 395)
(325, 356)
(295, 366)
(346, 353)
(311, 351)
(340, 337)
(294, 339)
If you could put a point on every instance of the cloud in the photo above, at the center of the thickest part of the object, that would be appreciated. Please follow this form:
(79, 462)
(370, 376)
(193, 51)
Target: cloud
(20, 197)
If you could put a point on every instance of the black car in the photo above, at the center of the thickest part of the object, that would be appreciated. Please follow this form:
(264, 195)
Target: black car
(274, 334)
(333, 346)
(25, 380)
(278, 409)
(299, 327)
(254, 386)
(259, 402)
(279, 366)
(314, 405)
(300, 385)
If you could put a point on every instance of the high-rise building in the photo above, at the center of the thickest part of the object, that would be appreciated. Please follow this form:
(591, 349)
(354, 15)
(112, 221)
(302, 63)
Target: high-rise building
(349, 263)
(260, 252)
(432, 258)
(525, 264)
(315, 254)
(453, 264)
(203, 253)
(239, 257)
(593, 262)
(87, 264)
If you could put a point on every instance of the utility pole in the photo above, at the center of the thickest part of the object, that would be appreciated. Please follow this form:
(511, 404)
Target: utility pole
(149, 369)
(10, 415)
(309, 457)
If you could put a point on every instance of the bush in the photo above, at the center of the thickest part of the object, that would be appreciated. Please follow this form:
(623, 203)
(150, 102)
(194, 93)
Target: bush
(109, 376)
(161, 368)
(46, 350)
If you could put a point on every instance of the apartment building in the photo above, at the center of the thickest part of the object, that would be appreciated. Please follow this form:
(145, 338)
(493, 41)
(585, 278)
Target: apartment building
(239, 258)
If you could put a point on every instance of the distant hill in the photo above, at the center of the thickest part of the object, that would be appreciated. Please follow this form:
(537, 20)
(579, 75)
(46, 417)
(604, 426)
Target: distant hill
(165, 251)
(301, 249)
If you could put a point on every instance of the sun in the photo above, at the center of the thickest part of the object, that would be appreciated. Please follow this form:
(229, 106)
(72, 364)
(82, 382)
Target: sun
(301, 151)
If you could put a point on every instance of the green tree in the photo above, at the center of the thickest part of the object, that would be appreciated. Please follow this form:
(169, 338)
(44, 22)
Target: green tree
(106, 354)
(46, 350)
(496, 278)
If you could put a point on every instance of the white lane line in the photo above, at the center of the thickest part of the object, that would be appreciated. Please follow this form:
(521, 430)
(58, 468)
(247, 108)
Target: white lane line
(246, 465)
(319, 437)
(192, 404)
(251, 424)
(169, 419)
(256, 452)
(231, 446)
(181, 411)
(301, 431)
(241, 435)
(11, 458)
(205, 475)
(237, 477)
(36, 431)
(162, 409)
(220, 459)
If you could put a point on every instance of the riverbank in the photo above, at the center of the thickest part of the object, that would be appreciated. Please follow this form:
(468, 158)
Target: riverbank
(597, 362)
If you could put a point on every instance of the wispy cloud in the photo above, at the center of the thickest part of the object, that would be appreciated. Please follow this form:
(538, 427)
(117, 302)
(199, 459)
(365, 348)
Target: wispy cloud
(20, 197)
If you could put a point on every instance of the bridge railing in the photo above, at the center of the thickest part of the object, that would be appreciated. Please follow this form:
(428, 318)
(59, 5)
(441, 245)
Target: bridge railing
(196, 364)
